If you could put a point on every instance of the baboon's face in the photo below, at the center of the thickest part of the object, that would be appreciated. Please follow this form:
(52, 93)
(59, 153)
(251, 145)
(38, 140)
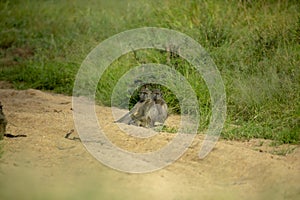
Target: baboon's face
(156, 95)
(145, 94)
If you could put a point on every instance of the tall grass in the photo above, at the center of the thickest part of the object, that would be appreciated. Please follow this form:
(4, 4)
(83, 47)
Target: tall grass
(255, 45)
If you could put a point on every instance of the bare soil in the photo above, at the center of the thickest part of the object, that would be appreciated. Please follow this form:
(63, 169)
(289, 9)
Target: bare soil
(46, 165)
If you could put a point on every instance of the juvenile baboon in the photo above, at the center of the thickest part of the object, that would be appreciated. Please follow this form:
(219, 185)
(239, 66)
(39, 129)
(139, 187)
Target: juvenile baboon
(161, 107)
(138, 115)
(3, 123)
(142, 116)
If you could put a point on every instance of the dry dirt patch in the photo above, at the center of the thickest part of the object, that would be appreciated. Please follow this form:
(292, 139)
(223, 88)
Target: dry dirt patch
(45, 165)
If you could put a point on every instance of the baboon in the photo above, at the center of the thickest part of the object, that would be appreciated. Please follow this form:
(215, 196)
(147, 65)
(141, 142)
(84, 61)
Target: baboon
(142, 116)
(149, 110)
(139, 114)
(3, 123)
(160, 106)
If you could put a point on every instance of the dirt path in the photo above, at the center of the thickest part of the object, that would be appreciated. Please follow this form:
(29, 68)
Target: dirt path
(45, 165)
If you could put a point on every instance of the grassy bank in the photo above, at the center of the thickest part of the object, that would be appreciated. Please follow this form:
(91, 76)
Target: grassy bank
(255, 45)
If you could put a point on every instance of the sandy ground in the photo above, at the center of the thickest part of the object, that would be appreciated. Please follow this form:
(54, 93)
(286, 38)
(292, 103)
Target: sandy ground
(45, 165)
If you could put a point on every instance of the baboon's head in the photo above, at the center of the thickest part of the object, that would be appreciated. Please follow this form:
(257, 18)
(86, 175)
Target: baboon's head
(156, 95)
(145, 94)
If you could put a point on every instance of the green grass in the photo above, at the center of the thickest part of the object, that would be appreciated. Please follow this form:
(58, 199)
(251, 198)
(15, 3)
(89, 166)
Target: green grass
(255, 45)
